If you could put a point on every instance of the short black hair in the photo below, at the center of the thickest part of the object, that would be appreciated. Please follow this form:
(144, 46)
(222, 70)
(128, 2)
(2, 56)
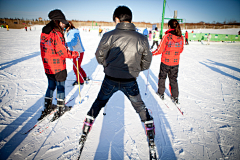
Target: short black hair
(123, 13)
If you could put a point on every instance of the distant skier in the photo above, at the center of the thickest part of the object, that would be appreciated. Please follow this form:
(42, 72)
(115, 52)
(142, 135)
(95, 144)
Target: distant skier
(145, 32)
(208, 39)
(150, 36)
(74, 42)
(122, 63)
(100, 31)
(54, 54)
(25, 28)
(170, 47)
(186, 38)
(7, 27)
(155, 35)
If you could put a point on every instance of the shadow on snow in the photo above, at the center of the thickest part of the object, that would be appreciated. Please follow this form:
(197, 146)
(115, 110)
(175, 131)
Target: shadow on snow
(13, 62)
(219, 71)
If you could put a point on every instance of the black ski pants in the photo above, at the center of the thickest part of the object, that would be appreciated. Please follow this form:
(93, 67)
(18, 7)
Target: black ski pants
(154, 42)
(172, 73)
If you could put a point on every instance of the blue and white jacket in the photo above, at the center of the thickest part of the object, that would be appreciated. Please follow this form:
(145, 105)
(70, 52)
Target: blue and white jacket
(73, 40)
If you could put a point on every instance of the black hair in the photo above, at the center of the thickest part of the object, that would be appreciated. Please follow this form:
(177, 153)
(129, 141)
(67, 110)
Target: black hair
(173, 23)
(123, 13)
(55, 24)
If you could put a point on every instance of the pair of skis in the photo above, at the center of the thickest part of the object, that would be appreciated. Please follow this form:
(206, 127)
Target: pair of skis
(151, 144)
(176, 104)
(46, 117)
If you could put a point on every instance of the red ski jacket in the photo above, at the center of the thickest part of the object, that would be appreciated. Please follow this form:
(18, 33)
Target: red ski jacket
(170, 47)
(54, 52)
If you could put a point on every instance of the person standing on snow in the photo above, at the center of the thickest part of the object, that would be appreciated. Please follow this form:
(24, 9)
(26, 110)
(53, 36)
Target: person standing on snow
(100, 31)
(170, 47)
(7, 27)
(155, 35)
(122, 63)
(54, 54)
(150, 36)
(186, 38)
(145, 32)
(208, 39)
(74, 43)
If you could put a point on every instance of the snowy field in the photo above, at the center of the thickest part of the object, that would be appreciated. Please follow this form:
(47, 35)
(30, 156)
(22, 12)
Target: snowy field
(209, 93)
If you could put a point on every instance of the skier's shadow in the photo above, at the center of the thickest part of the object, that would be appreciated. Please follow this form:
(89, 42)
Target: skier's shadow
(220, 71)
(13, 62)
(18, 138)
(162, 141)
(112, 132)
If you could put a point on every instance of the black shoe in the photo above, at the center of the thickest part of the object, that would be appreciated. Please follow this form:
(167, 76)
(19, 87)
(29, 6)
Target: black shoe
(161, 95)
(44, 114)
(86, 79)
(175, 100)
(48, 108)
(76, 83)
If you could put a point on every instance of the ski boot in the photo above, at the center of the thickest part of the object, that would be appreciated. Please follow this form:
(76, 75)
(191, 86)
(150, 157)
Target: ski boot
(150, 131)
(87, 125)
(48, 108)
(86, 80)
(76, 83)
(61, 109)
(175, 100)
(161, 95)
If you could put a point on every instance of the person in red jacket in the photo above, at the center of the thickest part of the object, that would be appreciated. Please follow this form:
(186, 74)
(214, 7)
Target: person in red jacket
(186, 38)
(54, 54)
(170, 47)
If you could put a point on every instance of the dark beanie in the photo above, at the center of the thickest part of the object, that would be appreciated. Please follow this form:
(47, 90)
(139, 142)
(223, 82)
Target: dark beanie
(57, 15)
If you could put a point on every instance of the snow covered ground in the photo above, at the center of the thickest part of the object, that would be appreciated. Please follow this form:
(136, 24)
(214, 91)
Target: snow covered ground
(209, 86)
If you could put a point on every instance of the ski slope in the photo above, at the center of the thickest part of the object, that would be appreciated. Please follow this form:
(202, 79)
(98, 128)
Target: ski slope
(209, 93)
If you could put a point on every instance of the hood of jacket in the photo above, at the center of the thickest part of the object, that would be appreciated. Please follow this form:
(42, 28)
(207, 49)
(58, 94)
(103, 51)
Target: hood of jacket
(173, 36)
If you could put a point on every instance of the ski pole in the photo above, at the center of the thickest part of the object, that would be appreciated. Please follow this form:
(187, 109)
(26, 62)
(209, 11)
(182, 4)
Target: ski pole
(147, 82)
(78, 80)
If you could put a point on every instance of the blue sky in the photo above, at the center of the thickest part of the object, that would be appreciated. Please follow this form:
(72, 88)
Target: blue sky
(143, 10)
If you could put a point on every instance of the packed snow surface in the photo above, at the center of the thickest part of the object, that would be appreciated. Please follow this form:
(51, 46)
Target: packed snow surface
(209, 94)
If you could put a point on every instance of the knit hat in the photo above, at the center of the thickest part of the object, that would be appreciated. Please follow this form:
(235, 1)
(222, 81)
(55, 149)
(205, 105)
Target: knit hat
(57, 15)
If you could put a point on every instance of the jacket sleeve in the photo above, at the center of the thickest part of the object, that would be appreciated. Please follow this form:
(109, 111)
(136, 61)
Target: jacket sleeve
(103, 49)
(146, 57)
(62, 50)
(161, 46)
(72, 39)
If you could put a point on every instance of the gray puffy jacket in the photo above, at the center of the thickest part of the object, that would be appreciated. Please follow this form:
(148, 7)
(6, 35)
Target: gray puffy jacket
(124, 52)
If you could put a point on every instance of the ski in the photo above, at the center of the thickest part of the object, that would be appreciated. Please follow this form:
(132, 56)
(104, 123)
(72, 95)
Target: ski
(56, 115)
(39, 122)
(176, 104)
(46, 126)
(81, 144)
(152, 151)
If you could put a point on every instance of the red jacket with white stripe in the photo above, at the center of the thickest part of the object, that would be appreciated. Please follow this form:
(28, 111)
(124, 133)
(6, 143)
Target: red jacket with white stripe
(171, 46)
(54, 52)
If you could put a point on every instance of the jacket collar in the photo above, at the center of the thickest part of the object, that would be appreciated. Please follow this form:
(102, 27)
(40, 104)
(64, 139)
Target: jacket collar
(126, 26)
(170, 31)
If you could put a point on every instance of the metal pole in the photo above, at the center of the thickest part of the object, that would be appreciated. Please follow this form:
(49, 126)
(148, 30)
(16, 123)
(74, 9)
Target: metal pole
(163, 13)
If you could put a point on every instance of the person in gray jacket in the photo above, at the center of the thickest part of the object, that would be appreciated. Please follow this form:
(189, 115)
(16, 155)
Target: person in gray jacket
(123, 52)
